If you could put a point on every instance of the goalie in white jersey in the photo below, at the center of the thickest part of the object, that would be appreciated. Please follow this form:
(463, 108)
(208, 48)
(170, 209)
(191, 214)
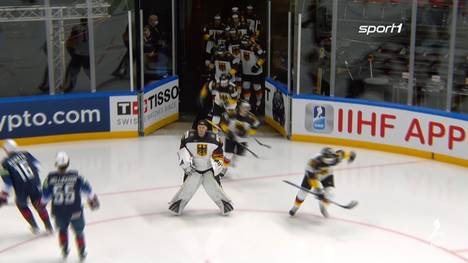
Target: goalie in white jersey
(201, 158)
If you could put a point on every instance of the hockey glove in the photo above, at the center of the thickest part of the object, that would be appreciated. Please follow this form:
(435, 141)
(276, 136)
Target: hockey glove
(189, 170)
(255, 68)
(3, 198)
(94, 203)
(231, 136)
(321, 195)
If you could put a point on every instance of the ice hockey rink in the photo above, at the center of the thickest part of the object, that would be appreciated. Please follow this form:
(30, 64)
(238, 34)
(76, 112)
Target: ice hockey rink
(410, 209)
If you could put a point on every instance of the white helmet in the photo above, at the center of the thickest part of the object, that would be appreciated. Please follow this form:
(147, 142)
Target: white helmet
(10, 146)
(328, 156)
(62, 160)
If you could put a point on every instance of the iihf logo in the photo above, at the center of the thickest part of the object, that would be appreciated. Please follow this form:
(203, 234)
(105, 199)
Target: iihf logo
(319, 118)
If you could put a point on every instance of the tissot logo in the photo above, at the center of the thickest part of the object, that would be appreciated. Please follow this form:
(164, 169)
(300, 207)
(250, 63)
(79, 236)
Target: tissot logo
(127, 108)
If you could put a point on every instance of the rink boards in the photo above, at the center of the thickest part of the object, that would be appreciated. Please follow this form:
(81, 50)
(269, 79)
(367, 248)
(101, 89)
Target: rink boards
(87, 116)
(381, 126)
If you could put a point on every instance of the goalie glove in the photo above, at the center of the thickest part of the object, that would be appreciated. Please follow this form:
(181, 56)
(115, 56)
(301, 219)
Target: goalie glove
(218, 167)
(256, 68)
(94, 203)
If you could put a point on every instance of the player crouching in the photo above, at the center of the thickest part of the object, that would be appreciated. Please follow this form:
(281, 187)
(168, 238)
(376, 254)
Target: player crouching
(319, 176)
(201, 158)
(64, 187)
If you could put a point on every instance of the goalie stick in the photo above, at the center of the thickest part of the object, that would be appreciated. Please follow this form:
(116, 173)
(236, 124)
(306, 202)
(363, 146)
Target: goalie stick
(350, 205)
(239, 144)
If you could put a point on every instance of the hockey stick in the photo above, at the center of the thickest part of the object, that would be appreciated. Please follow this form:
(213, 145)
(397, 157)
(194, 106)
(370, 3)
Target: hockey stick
(239, 144)
(350, 205)
(262, 144)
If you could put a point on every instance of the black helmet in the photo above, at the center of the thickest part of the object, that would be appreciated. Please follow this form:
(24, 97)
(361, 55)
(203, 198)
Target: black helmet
(221, 49)
(202, 122)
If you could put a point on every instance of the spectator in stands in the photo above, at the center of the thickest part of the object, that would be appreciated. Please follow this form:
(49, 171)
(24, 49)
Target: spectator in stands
(123, 67)
(78, 48)
(156, 33)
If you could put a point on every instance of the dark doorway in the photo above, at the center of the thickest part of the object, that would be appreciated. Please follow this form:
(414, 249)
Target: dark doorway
(193, 15)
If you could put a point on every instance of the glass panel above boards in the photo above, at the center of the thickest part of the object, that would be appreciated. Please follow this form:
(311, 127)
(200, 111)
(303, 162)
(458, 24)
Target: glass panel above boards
(372, 54)
(460, 78)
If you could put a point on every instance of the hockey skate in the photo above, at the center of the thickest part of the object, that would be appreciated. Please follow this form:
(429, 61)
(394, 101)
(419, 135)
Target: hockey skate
(227, 208)
(65, 251)
(34, 230)
(323, 209)
(49, 228)
(83, 254)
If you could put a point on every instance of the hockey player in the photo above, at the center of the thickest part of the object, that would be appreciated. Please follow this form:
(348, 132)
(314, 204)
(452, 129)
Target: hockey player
(64, 188)
(211, 34)
(252, 57)
(201, 158)
(234, 45)
(319, 176)
(237, 23)
(224, 62)
(21, 172)
(224, 98)
(238, 127)
(252, 21)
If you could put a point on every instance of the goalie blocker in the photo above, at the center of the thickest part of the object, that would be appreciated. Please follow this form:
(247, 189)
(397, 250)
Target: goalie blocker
(201, 157)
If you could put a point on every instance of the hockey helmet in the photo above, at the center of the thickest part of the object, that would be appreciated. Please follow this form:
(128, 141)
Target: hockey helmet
(245, 40)
(235, 10)
(220, 50)
(244, 105)
(328, 155)
(203, 122)
(62, 160)
(10, 146)
(217, 17)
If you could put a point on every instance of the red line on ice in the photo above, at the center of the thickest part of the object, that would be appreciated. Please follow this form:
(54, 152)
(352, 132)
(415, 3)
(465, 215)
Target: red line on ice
(252, 178)
(384, 229)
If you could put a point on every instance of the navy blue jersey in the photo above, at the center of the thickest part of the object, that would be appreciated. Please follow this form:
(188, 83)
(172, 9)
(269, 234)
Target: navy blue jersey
(23, 172)
(65, 191)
